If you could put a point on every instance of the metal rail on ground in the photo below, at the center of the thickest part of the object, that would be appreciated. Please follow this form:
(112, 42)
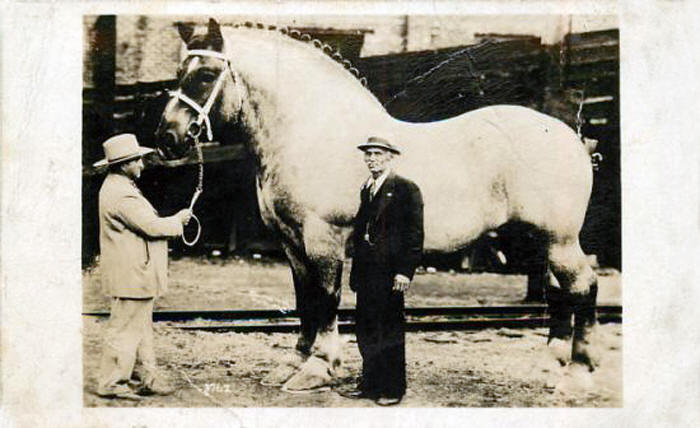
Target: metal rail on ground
(418, 319)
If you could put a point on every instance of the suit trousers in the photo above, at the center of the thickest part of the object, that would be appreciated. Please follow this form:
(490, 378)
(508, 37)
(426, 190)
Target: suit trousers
(128, 335)
(380, 330)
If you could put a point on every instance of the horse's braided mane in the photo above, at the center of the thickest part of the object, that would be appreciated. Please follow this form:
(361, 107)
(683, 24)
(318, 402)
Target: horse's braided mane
(335, 55)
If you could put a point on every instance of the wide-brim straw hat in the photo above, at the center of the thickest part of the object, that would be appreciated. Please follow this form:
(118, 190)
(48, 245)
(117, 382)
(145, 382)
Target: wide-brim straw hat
(379, 143)
(121, 148)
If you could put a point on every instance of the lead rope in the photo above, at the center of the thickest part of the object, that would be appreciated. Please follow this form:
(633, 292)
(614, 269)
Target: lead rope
(197, 192)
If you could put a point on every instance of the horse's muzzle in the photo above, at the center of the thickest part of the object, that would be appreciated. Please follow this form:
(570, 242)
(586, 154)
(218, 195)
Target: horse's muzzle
(170, 146)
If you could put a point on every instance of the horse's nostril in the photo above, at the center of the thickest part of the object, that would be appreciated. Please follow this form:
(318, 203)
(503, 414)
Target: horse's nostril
(170, 139)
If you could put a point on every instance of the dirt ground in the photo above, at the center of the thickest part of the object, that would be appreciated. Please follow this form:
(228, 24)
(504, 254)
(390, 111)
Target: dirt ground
(488, 368)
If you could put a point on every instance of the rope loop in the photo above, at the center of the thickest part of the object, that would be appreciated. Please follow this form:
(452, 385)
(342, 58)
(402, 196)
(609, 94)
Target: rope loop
(196, 237)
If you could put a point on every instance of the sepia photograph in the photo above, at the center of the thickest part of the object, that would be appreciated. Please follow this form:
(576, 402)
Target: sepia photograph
(374, 210)
(313, 213)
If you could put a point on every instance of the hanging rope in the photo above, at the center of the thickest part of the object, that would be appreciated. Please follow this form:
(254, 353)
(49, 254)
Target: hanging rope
(194, 134)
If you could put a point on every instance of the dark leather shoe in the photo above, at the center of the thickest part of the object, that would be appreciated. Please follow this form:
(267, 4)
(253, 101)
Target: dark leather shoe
(356, 394)
(388, 401)
(156, 387)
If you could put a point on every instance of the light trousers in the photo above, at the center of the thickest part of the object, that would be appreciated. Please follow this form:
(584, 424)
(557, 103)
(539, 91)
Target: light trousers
(128, 336)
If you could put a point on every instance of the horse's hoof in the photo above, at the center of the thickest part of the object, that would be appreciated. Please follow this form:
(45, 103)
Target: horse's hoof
(278, 376)
(584, 355)
(307, 391)
(560, 350)
(576, 380)
(586, 350)
(284, 371)
(314, 376)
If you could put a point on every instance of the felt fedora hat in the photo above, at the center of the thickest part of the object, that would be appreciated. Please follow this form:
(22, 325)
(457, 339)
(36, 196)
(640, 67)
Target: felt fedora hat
(379, 143)
(121, 148)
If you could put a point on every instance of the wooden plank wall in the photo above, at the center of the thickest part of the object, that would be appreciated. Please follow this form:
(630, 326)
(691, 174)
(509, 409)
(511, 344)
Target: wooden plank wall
(432, 85)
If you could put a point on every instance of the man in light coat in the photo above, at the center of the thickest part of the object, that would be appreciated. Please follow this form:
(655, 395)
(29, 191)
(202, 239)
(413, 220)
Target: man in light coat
(134, 258)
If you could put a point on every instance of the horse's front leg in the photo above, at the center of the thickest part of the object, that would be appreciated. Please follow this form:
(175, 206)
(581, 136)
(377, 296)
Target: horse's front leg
(327, 274)
(302, 287)
(307, 335)
(322, 299)
(323, 264)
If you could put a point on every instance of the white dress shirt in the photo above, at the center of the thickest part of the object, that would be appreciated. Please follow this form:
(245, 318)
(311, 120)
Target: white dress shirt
(375, 184)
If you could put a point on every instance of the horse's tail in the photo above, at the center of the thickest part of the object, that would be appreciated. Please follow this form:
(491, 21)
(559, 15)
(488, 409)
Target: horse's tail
(589, 143)
(596, 157)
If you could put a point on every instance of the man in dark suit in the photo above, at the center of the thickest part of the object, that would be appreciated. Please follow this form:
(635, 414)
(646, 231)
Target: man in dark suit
(388, 244)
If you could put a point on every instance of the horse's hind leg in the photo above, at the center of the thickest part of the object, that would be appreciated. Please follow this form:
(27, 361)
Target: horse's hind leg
(560, 317)
(573, 293)
(584, 323)
(536, 268)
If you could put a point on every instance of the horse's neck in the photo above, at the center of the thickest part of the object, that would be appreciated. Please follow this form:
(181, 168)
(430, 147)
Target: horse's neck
(299, 79)
(258, 110)
(303, 113)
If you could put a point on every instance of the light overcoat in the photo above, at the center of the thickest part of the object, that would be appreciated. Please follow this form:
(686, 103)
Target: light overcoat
(133, 241)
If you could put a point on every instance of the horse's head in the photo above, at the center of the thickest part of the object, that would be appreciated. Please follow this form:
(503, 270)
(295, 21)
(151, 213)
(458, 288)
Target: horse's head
(208, 94)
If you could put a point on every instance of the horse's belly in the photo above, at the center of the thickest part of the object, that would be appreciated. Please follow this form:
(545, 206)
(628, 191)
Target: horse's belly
(451, 223)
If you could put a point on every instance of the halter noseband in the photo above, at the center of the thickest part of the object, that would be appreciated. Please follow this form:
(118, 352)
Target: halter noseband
(203, 111)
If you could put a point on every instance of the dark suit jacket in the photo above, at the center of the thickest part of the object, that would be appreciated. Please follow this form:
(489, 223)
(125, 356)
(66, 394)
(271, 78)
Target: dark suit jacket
(393, 222)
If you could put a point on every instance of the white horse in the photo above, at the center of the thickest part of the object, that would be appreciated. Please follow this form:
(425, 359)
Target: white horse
(304, 115)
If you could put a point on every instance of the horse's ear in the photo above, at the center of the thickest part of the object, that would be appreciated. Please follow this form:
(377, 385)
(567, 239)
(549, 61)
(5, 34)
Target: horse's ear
(186, 31)
(214, 30)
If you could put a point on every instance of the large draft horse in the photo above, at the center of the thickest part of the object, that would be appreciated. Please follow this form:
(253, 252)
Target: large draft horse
(303, 115)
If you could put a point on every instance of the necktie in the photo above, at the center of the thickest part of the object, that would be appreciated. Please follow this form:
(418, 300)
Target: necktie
(372, 189)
